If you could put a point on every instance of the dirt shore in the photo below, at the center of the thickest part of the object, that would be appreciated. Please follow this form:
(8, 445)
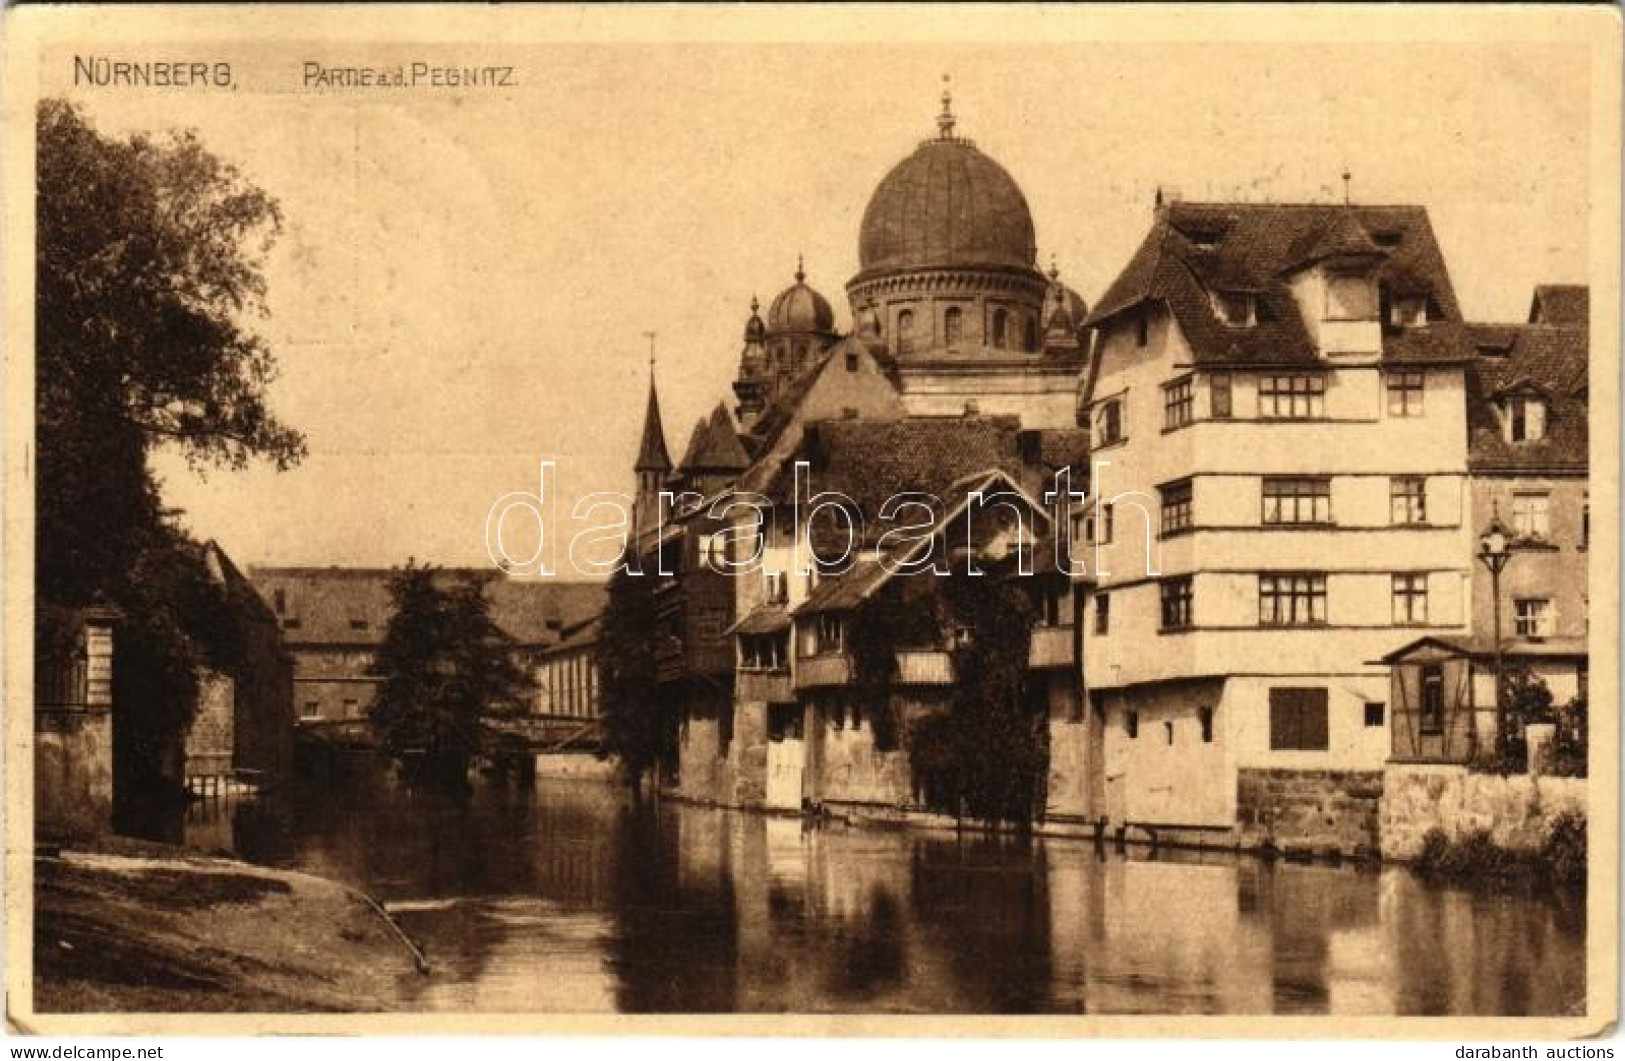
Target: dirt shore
(125, 927)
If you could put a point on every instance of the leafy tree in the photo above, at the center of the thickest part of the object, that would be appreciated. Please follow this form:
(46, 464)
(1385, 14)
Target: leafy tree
(149, 272)
(986, 758)
(637, 723)
(446, 668)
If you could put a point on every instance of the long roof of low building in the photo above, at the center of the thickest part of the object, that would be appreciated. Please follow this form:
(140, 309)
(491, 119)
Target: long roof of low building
(351, 606)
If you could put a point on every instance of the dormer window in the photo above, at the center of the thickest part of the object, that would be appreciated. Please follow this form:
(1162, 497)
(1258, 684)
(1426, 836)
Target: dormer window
(1524, 418)
(1350, 297)
(1237, 309)
(1408, 311)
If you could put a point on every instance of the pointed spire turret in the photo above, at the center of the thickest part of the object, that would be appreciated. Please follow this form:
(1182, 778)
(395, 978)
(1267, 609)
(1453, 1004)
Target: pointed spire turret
(652, 453)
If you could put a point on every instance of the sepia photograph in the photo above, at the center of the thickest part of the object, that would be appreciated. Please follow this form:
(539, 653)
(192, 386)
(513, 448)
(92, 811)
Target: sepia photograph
(1077, 520)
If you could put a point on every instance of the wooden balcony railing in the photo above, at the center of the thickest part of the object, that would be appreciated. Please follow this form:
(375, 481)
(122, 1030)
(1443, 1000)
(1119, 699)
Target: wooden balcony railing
(764, 687)
(817, 671)
(924, 667)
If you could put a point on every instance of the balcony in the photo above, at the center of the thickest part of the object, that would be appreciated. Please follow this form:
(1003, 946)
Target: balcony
(763, 687)
(924, 667)
(814, 672)
(1052, 647)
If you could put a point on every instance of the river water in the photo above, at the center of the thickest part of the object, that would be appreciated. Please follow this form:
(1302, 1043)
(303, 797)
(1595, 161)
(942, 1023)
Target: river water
(572, 898)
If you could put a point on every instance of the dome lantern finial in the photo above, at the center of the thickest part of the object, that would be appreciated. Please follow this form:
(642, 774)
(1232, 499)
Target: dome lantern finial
(945, 120)
(801, 268)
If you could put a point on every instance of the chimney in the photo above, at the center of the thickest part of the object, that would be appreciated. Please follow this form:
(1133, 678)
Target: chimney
(815, 446)
(1030, 446)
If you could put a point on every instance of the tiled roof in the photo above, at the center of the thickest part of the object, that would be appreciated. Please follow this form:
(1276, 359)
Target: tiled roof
(873, 460)
(714, 445)
(844, 592)
(1197, 248)
(352, 606)
(1551, 360)
(1561, 304)
(766, 619)
(1065, 447)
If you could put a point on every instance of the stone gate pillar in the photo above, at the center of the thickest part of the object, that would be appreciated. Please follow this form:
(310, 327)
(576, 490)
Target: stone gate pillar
(73, 735)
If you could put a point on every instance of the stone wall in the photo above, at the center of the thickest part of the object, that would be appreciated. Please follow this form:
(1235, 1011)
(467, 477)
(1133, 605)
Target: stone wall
(702, 772)
(1517, 810)
(747, 757)
(210, 739)
(1320, 811)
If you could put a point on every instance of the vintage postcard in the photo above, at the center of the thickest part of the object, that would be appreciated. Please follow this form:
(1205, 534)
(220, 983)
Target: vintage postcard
(793, 520)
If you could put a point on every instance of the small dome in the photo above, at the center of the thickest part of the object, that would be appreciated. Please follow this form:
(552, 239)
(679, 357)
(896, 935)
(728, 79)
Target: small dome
(800, 309)
(754, 329)
(1063, 306)
(947, 204)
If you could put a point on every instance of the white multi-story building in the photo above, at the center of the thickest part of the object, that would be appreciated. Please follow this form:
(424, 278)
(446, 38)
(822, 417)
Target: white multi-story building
(1279, 498)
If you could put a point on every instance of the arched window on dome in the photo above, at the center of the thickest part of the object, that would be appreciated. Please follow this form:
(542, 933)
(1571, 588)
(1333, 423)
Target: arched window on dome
(905, 331)
(1001, 329)
(801, 357)
(951, 325)
(1030, 335)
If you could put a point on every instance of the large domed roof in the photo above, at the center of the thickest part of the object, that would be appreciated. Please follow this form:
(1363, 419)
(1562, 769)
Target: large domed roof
(947, 204)
(799, 308)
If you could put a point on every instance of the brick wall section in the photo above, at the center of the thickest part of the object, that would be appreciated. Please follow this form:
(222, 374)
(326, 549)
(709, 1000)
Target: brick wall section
(1309, 810)
(210, 740)
(1517, 810)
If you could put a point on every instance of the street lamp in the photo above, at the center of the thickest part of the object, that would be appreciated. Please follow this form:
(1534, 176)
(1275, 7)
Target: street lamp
(1494, 550)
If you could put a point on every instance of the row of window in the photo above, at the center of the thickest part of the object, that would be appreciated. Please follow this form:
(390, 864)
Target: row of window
(1349, 297)
(1282, 396)
(310, 710)
(1299, 500)
(1299, 599)
(1001, 330)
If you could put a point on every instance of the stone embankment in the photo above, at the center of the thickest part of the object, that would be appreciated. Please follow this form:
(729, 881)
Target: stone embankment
(127, 927)
(1517, 812)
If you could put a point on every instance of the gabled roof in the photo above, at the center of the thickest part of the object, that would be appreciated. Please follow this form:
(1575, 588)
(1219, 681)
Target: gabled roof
(1550, 361)
(239, 591)
(1561, 304)
(714, 446)
(1193, 249)
(859, 583)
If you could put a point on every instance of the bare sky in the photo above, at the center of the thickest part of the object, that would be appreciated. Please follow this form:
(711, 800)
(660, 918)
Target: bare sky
(465, 277)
